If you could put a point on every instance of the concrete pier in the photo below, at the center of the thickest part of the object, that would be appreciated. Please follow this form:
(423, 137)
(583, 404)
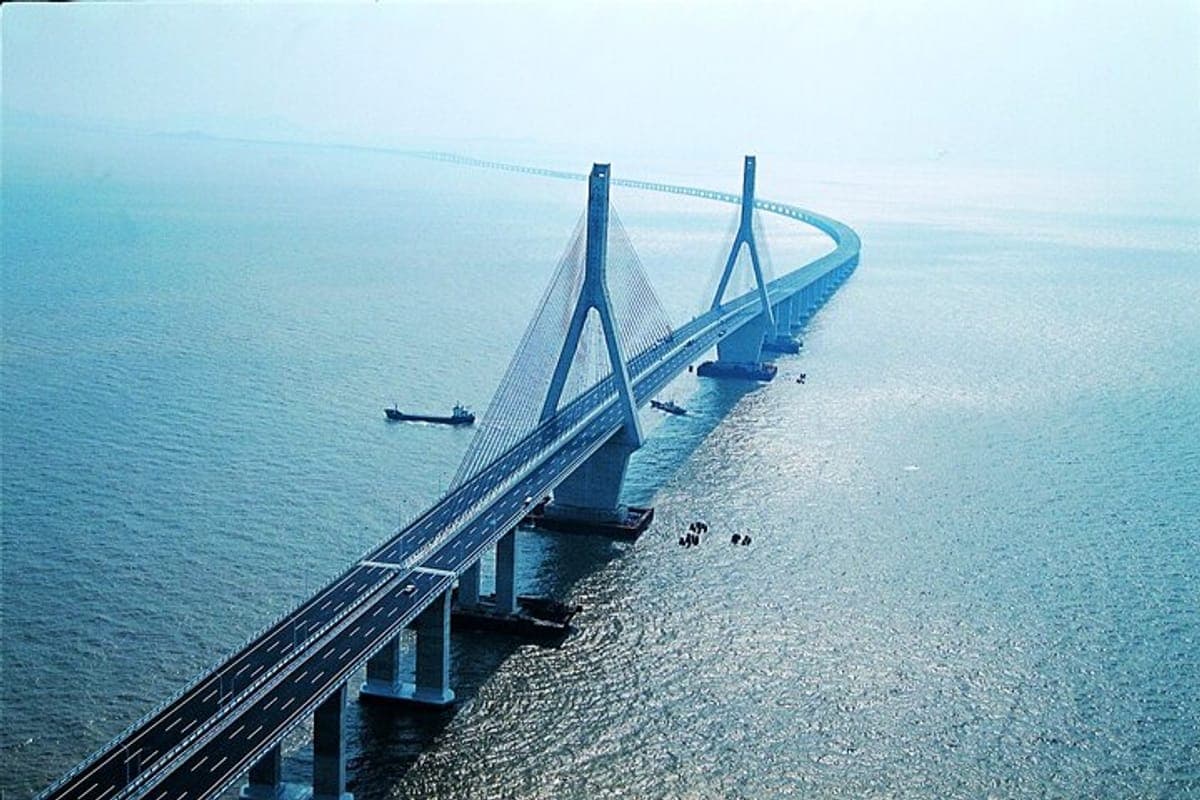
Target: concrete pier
(266, 780)
(383, 672)
(431, 674)
(468, 586)
(506, 573)
(329, 748)
(591, 495)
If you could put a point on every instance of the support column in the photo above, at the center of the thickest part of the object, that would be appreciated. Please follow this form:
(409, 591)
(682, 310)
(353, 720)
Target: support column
(383, 673)
(468, 587)
(780, 339)
(783, 317)
(267, 774)
(506, 573)
(329, 748)
(432, 674)
(798, 311)
(739, 353)
(266, 780)
(431, 681)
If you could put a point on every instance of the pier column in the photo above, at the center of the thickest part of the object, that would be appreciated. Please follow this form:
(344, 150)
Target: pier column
(799, 313)
(266, 780)
(740, 353)
(431, 680)
(590, 497)
(431, 684)
(468, 587)
(329, 748)
(383, 672)
(783, 318)
(506, 573)
(780, 339)
(266, 777)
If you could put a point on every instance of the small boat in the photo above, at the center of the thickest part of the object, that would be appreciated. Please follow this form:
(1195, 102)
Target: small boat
(461, 415)
(668, 407)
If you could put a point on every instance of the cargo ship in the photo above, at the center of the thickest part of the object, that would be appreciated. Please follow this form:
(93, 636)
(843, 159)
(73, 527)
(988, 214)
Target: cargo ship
(461, 415)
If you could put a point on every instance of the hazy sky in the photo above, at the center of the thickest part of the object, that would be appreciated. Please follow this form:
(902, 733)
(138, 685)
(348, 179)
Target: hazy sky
(1080, 85)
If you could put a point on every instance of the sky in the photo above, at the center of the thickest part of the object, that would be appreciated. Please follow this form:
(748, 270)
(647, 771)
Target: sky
(1076, 85)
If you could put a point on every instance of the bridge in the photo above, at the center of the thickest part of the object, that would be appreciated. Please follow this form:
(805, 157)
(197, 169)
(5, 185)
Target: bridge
(563, 422)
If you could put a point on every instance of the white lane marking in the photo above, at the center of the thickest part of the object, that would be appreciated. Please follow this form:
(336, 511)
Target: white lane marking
(317, 677)
(240, 728)
(213, 768)
(254, 732)
(198, 764)
(90, 789)
(376, 611)
(300, 677)
(273, 645)
(271, 702)
(245, 667)
(105, 793)
(257, 670)
(356, 629)
(284, 707)
(175, 722)
(208, 696)
(188, 727)
(395, 610)
(345, 653)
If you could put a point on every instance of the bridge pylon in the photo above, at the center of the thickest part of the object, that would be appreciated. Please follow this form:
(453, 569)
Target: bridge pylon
(740, 351)
(591, 494)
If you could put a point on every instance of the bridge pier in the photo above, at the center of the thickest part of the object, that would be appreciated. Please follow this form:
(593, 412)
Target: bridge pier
(780, 340)
(431, 674)
(468, 587)
(799, 310)
(739, 354)
(589, 500)
(265, 780)
(506, 573)
(329, 748)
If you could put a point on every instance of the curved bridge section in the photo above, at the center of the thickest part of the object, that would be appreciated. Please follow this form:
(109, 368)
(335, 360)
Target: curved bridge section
(231, 720)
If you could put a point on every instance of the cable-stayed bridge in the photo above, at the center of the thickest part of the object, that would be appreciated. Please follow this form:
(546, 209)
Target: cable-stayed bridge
(564, 421)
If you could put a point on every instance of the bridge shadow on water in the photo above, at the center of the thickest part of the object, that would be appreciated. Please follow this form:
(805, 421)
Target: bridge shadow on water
(391, 740)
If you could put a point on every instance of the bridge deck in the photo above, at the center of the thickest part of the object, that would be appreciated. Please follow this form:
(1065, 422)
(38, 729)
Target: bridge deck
(199, 742)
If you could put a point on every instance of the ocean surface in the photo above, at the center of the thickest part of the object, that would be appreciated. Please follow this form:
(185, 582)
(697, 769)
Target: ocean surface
(976, 559)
